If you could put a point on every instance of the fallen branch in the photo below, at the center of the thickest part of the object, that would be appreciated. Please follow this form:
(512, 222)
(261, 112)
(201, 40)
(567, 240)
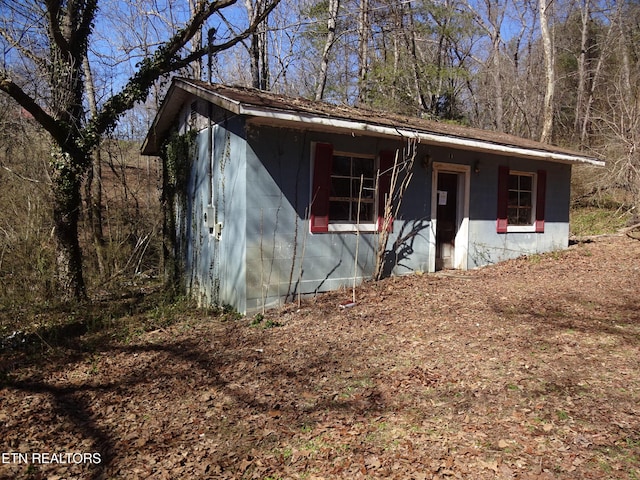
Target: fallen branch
(629, 231)
(619, 233)
(626, 230)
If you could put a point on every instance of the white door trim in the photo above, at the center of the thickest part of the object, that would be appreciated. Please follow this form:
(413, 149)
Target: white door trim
(461, 245)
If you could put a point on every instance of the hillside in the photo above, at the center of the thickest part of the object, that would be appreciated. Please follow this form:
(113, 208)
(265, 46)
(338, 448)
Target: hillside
(529, 369)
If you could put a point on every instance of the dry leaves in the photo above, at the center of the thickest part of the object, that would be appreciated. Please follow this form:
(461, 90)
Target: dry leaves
(528, 369)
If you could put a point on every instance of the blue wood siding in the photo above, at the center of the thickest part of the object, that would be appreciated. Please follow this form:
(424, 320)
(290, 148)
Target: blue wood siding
(260, 184)
(486, 246)
(215, 267)
(283, 258)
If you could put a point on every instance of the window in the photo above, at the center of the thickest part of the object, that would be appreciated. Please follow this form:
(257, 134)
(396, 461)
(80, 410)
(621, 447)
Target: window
(352, 184)
(337, 182)
(521, 201)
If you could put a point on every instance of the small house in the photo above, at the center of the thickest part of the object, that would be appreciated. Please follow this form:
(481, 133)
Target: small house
(283, 196)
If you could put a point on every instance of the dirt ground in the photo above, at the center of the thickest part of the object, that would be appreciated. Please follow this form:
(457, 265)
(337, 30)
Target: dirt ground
(529, 369)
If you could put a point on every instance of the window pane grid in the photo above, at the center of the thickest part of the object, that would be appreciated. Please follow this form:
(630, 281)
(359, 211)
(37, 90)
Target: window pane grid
(346, 176)
(520, 200)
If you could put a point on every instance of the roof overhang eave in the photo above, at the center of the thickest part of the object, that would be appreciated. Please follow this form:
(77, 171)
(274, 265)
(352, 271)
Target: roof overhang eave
(261, 114)
(265, 115)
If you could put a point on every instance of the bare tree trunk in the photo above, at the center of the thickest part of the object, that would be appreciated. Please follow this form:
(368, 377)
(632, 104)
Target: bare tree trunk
(519, 116)
(363, 49)
(436, 94)
(334, 6)
(582, 68)
(586, 113)
(258, 46)
(497, 86)
(93, 186)
(630, 115)
(626, 63)
(262, 49)
(495, 20)
(492, 24)
(547, 44)
(417, 80)
(594, 81)
(196, 43)
(397, 39)
(254, 54)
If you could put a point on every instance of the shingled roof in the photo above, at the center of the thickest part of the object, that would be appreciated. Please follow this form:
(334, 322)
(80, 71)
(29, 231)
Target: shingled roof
(262, 107)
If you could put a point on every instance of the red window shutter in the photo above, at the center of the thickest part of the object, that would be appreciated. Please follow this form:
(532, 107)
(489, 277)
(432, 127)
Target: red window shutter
(387, 159)
(541, 192)
(319, 221)
(503, 199)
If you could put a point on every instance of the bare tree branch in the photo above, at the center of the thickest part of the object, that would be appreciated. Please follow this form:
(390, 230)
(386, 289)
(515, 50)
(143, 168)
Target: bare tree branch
(164, 61)
(55, 129)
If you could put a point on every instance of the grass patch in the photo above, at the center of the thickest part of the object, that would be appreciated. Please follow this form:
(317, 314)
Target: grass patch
(586, 221)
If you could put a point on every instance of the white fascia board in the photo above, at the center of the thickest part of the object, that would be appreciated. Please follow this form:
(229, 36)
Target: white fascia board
(427, 137)
(161, 122)
(215, 98)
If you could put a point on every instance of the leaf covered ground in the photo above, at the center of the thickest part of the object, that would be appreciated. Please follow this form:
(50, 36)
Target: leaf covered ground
(529, 369)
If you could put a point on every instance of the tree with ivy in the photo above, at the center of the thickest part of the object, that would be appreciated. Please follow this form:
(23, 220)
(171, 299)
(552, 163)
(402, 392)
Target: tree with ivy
(45, 45)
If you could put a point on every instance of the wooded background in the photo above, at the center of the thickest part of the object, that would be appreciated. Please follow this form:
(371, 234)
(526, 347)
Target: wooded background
(82, 80)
